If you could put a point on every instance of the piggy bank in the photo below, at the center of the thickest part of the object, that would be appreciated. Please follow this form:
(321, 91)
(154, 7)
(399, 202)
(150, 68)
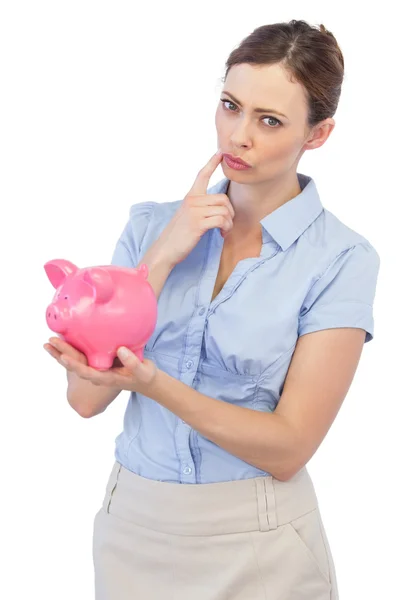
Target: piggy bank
(98, 309)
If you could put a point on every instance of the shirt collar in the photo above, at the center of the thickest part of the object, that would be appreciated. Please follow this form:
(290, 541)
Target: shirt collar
(287, 222)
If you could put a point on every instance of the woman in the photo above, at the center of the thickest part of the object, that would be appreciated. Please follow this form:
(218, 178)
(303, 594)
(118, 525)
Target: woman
(264, 303)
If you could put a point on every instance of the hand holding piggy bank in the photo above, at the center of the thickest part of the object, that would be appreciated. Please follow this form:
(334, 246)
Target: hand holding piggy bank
(99, 309)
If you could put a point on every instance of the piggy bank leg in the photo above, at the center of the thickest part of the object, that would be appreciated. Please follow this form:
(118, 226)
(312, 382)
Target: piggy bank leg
(101, 362)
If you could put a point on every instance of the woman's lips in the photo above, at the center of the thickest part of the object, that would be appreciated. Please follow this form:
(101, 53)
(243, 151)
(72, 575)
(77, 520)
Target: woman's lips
(238, 166)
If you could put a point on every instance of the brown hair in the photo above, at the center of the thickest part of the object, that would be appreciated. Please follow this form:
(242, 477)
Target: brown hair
(311, 56)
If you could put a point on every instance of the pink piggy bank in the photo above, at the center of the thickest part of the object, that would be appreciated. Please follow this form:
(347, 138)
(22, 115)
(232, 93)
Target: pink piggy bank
(99, 309)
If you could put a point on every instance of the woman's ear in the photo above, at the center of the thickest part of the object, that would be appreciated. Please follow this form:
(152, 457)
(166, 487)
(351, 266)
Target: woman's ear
(319, 134)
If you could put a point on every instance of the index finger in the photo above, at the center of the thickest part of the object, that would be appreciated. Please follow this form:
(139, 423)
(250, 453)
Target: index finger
(203, 178)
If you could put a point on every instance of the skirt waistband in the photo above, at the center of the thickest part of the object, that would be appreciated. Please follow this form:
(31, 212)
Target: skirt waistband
(257, 504)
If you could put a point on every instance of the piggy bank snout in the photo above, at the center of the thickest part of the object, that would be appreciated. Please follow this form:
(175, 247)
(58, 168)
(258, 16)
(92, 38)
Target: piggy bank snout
(53, 318)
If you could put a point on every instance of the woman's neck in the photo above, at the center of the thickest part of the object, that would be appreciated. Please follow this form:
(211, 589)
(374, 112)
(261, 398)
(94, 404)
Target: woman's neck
(252, 203)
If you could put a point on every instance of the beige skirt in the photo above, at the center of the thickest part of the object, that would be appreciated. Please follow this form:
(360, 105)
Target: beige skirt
(252, 539)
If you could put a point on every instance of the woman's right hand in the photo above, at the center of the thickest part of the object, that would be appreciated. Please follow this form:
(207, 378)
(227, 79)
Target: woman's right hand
(198, 213)
(58, 347)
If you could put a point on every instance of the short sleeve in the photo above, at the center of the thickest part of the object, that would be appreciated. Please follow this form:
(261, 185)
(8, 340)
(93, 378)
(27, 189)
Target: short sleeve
(343, 295)
(127, 250)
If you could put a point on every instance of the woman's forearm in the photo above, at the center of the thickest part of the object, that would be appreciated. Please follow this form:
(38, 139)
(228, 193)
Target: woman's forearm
(264, 440)
(159, 268)
(88, 399)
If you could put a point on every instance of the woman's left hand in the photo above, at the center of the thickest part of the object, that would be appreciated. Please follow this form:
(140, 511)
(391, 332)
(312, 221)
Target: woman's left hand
(134, 375)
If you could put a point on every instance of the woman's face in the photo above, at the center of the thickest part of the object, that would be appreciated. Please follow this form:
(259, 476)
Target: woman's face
(270, 142)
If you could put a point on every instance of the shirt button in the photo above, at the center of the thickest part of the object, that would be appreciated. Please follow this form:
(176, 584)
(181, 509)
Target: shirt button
(189, 364)
(202, 311)
(187, 470)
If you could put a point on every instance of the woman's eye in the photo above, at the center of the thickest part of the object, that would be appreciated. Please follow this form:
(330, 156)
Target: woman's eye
(272, 119)
(264, 118)
(227, 102)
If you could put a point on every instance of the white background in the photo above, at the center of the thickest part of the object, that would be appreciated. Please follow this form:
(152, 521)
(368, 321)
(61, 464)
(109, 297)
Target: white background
(91, 94)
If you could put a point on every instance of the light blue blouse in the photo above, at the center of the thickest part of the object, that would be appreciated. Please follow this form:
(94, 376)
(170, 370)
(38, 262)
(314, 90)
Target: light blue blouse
(314, 272)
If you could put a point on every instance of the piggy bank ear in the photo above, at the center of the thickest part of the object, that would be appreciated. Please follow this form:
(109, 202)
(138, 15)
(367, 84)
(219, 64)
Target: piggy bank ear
(100, 280)
(58, 270)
